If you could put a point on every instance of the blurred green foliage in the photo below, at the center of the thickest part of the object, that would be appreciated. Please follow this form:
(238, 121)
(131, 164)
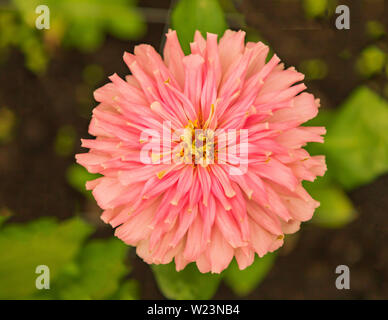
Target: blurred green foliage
(92, 271)
(357, 139)
(371, 61)
(385, 89)
(41, 242)
(191, 15)
(315, 8)
(83, 23)
(336, 209)
(74, 23)
(77, 176)
(318, 8)
(129, 290)
(192, 284)
(356, 150)
(245, 281)
(375, 29)
(5, 214)
(314, 69)
(95, 274)
(64, 141)
(15, 33)
(7, 124)
(186, 284)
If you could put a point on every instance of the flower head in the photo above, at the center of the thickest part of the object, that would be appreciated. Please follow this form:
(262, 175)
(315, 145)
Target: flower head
(201, 155)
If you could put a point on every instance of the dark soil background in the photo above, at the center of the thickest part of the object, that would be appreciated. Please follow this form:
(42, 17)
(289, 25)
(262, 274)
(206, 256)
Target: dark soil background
(32, 176)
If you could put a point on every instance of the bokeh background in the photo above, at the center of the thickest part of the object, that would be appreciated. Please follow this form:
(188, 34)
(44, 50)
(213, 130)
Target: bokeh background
(47, 79)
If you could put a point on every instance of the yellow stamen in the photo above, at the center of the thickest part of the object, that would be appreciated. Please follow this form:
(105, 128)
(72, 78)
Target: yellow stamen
(161, 174)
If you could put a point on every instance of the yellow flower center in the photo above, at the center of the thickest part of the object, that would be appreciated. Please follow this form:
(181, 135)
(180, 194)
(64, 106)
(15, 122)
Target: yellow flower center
(197, 145)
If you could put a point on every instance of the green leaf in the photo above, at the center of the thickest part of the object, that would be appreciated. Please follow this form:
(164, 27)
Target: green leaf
(357, 140)
(128, 24)
(188, 284)
(324, 118)
(315, 8)
(23, 247)
(371, 61)
(86, 35)
(242, 282)
(82, 24)
(93, 18)
(100, 268)
(191, 15)
(77, 176)
(375, 29)
(129, 290)
(336, 209)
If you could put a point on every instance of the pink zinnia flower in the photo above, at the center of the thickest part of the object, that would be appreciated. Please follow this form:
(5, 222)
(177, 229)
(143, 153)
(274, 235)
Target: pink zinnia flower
(199, 211)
